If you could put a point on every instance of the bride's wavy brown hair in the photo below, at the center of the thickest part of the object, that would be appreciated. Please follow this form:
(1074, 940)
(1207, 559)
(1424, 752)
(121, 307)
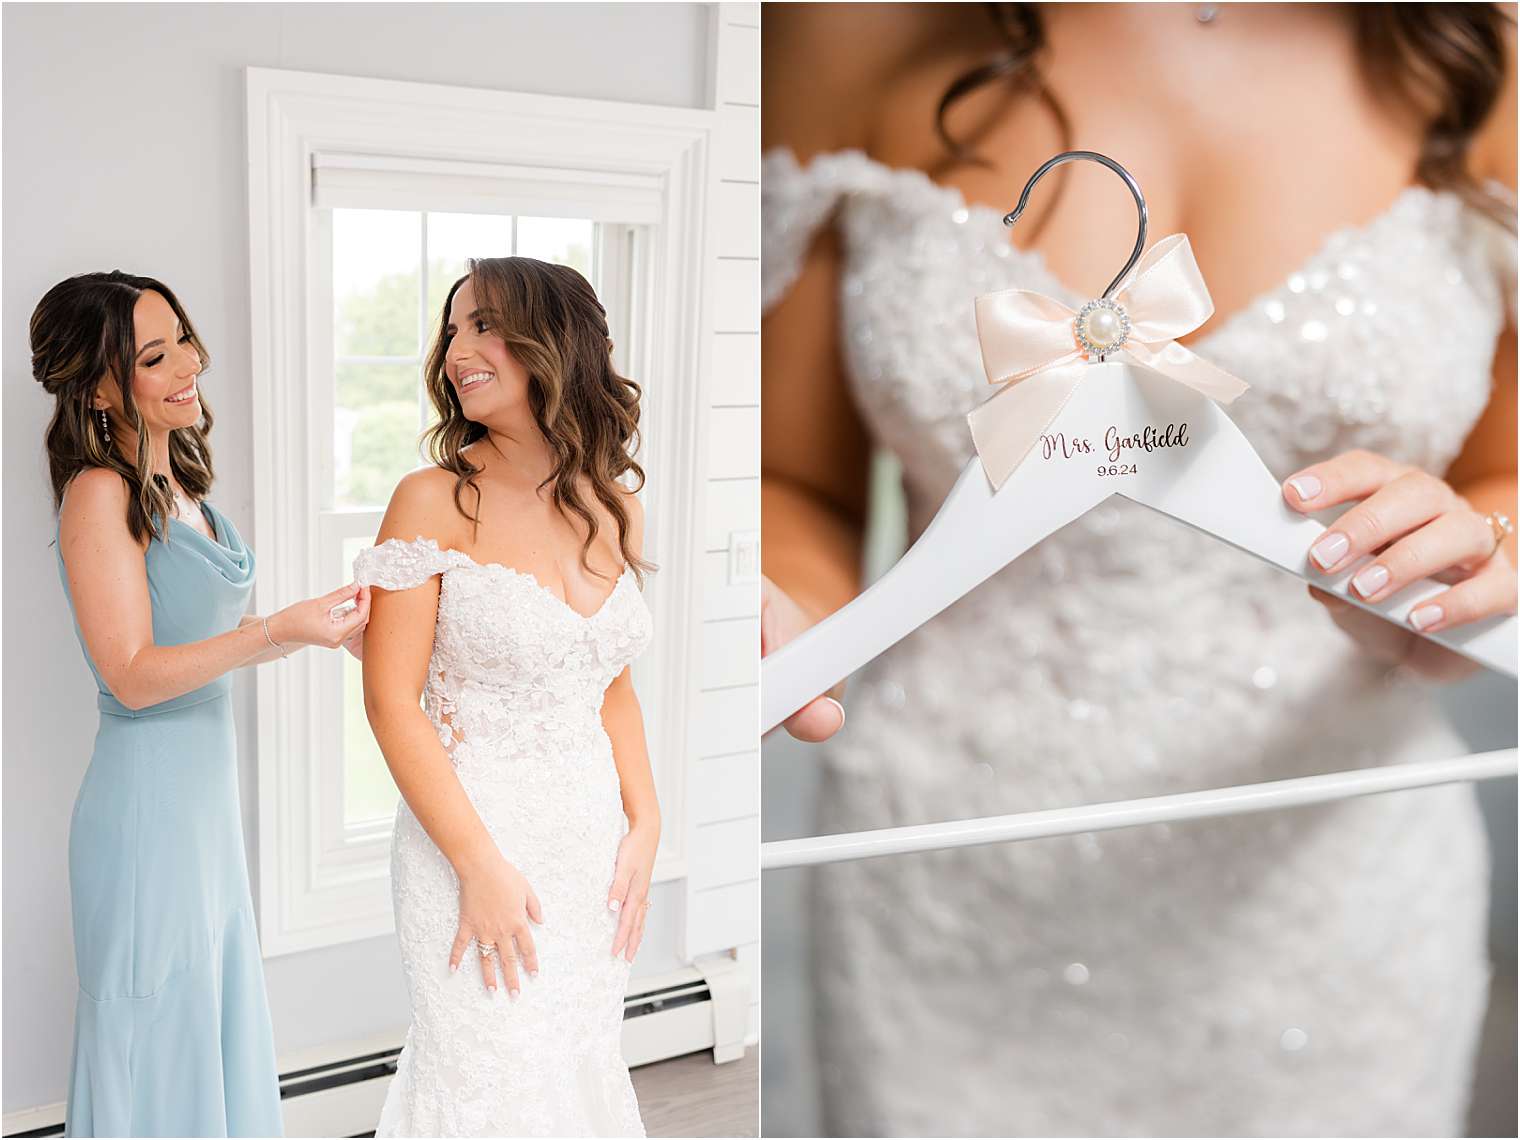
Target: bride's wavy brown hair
(1442, 63)
(81, 332)
(555, 327)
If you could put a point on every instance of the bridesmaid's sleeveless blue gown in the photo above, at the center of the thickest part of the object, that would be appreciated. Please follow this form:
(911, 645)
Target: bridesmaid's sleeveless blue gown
(172, 1035)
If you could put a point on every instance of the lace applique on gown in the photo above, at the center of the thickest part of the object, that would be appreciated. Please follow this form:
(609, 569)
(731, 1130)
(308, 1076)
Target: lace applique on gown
(1318, 971)
(514, 691)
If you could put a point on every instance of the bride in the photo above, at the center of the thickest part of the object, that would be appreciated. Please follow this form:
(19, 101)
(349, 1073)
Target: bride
(1341, 171)
(508, 599)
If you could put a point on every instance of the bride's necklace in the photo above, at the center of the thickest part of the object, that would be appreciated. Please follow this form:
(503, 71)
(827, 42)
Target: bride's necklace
(1206, 13)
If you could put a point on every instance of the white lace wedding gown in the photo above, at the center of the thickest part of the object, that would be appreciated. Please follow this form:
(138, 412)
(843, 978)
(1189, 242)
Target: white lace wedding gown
(514, 689)
(1318, 971)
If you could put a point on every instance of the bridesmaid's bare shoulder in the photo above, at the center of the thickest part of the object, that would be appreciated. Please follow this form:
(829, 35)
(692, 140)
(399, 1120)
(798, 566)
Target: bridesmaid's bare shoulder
(95, 503)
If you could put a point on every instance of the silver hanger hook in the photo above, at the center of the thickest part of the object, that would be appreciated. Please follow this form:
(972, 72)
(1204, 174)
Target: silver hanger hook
(1129, 180)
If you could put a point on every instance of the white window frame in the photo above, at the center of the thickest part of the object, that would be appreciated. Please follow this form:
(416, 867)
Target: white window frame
(316, 887)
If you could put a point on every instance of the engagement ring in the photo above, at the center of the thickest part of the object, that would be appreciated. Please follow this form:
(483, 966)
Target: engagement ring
(1502, 528)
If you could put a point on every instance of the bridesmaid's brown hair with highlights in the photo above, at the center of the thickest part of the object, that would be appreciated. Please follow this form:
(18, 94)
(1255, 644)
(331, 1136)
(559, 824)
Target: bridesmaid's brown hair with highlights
(81, 332)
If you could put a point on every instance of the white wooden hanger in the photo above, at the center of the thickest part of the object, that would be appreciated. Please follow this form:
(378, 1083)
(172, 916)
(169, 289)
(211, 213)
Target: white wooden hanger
(1210, 803)
(1212, 480)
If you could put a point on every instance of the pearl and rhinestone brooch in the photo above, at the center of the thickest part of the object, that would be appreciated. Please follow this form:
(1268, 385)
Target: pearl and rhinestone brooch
(1102, 326)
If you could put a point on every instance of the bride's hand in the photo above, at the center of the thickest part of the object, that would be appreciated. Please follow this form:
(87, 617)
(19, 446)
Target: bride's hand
(1418, 526)
(782, 619)
(495, 904)
(629, 895)
(354, 642)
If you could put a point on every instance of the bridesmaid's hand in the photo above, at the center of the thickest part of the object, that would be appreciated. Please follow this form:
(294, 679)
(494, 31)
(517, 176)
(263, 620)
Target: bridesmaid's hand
(629, 895)
(312, 622)
(1418, 526)
(782, 619)
(354, 643)
(495, 904)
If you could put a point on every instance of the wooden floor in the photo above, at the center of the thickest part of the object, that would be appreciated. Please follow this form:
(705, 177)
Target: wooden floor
(691, 1096)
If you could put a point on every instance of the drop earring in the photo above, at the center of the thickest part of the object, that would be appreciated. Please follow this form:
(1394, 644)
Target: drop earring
(105, 424)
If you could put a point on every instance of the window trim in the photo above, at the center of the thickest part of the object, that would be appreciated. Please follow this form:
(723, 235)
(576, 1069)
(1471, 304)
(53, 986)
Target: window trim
(309, 897)
(340, 842)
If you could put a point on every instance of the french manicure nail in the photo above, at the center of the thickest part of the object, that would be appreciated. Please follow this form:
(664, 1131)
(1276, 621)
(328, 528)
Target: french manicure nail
(612, 905)
(1425, 616)
(1370, 579)
(838, 706)
(1330, 549)
(513, 993)
(1305, 487)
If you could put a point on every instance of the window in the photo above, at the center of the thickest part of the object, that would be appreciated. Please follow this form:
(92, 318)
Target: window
(391, 271)
(366, 197)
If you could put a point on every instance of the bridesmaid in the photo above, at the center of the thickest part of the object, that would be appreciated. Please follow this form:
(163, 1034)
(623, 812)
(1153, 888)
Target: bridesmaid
(172, 1035)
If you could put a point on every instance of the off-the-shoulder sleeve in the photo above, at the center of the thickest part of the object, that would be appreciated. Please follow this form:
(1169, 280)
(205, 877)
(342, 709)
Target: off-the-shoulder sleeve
(795, 201)
(397, 564)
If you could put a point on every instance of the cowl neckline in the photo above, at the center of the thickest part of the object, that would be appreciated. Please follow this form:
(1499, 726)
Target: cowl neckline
(227, 554)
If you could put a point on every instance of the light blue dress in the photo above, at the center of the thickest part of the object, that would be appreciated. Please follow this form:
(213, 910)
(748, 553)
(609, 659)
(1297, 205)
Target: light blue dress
(172, 1035)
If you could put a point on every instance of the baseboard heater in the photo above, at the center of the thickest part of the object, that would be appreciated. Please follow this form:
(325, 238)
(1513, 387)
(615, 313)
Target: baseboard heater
(338, 1091)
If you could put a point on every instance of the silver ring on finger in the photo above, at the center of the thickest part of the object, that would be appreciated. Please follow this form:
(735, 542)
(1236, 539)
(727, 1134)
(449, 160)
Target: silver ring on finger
(487, 949)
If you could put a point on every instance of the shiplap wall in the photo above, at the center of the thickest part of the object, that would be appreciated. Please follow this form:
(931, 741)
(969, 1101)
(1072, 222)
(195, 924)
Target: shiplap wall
(723, 885)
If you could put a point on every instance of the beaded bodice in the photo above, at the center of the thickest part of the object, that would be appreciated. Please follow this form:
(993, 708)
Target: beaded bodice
(514, 668)
(1389, 324)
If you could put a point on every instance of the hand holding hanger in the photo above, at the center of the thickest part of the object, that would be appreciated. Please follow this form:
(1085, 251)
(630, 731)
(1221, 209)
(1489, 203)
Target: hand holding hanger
(1417, 526)
(782, 619)
(1132, 385)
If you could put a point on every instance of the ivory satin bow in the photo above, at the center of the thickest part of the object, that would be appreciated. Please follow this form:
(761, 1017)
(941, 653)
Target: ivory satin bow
(1029, 346)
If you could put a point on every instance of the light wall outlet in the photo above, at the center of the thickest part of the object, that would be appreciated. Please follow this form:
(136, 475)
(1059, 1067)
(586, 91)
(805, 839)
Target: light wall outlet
(743, 557)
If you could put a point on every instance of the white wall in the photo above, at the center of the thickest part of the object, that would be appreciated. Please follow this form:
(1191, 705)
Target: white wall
(124, 148)
(723, 901)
